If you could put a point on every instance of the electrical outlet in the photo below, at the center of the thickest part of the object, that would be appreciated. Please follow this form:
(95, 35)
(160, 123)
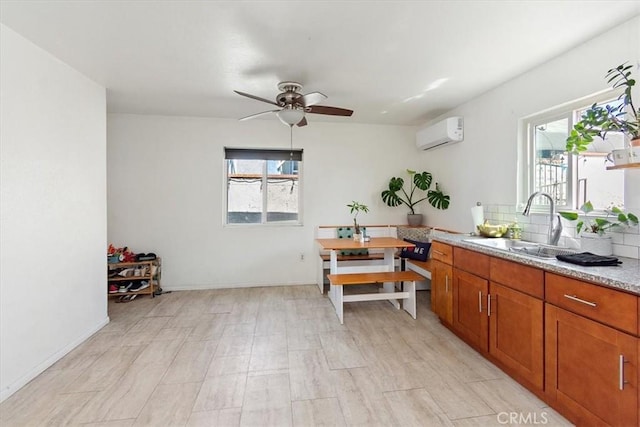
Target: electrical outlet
(302, 257)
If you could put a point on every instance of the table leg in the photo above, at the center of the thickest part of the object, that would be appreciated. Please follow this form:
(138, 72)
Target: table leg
(389, 261)
(339, 303)
(389, 287)
(320, 276)
(333, 269)
(409, 304)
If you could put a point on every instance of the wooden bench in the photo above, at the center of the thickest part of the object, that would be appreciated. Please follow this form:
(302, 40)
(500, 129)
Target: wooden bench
(424, 267)
(421, 267)
(387, 278)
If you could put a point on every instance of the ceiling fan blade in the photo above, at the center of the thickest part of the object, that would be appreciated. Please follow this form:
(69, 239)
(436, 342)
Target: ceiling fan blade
(257, 98)
(312, 98)
(302, 122)
(253, 116)
(331, 111)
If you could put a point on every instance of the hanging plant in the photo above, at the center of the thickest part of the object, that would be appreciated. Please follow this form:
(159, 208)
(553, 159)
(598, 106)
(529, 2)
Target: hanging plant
(599, 120)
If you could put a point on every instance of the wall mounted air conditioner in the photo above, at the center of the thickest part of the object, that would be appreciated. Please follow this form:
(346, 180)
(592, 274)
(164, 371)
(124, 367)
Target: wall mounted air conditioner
(444, 132)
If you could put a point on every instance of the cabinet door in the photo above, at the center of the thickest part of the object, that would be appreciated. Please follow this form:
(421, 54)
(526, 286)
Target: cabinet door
(591, 369)
(516, 332)
(442, 291)
(469, 308)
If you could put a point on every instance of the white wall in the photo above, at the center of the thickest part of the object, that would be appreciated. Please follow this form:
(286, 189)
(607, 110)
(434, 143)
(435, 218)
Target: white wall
(484, 166)
(166, 181)
(166, 191)
(53, 210)
(166, 188)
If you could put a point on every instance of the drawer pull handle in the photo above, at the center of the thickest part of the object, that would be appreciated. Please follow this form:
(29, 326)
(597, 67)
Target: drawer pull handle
(446, 283)
(489, 305)
(480, 301)
(621, 380)
(437, 252)
(576, 299)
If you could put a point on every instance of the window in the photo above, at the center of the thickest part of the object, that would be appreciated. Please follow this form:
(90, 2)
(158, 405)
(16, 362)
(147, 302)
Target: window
(569, 179)
(263, 186)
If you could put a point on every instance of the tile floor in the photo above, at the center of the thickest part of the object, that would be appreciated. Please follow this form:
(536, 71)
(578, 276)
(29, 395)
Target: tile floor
(271, 356)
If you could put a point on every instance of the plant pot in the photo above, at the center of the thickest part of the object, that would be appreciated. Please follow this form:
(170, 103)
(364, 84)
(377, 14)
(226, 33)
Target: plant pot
(414, 220)
(596, 244)
(357, 237)
(634, 151)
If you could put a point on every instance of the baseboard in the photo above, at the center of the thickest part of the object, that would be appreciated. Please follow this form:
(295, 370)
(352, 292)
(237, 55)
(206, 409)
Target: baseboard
(17, 385)
(231, 286)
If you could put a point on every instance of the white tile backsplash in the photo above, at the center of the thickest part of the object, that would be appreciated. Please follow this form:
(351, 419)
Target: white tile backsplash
(539, 219)
(489, 209)
(616, 238)
(506, 209)
(626, 251)
(626, 242)
(632, 239)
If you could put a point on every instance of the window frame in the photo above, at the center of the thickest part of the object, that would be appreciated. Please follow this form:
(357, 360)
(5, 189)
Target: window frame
(531, 153)
(270, 152)
(526, 150)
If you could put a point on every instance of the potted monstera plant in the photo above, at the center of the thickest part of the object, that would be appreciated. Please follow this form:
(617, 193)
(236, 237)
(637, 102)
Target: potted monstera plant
(599, 120)
(396, 194)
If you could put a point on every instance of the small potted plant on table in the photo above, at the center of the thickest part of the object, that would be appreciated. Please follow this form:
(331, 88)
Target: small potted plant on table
(357, 208)
(592, 231)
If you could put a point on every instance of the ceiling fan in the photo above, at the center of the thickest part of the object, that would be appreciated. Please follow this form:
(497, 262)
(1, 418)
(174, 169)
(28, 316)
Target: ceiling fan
(294, 105)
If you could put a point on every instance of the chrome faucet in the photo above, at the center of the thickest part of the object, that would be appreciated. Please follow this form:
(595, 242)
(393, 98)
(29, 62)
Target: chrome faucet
(554, 230)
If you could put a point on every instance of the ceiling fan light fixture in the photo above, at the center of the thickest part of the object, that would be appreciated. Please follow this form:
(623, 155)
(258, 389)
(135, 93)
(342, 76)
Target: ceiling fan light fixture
(295, 106)
(290, 116)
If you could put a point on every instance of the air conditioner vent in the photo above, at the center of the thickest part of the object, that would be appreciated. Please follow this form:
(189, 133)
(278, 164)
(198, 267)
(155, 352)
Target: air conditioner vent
(444, 132)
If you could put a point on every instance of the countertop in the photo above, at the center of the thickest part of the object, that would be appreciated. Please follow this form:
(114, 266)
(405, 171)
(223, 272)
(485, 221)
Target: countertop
(625, 277)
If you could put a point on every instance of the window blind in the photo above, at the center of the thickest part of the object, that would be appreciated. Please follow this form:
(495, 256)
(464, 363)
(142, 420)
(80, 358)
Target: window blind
(260, 154)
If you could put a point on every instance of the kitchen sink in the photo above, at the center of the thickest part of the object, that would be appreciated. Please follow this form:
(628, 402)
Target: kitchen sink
(544, 251)
(504, 244)
(523, 247)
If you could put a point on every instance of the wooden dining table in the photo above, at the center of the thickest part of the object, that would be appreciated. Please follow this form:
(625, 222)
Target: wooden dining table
(388, 244)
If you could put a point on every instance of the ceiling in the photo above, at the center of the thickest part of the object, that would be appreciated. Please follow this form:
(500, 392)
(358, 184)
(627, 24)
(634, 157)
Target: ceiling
(395, 62)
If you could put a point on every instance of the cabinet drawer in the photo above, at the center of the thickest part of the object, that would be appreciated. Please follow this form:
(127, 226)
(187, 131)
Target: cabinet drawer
(471, 261)
(605, 305)
(520, 277)
(442, 252)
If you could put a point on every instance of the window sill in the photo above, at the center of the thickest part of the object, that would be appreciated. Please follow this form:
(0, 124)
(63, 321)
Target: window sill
(627, 166)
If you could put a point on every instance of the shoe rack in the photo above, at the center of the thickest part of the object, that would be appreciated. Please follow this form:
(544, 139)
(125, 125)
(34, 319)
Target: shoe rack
(121, 274)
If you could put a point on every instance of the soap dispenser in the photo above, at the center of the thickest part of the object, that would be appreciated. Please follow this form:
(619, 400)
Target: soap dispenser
(515, 230)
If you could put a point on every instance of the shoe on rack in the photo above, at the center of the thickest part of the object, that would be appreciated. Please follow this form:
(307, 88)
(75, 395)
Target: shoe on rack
(138, 286)
(127, 298)
(127, 272)
(146, 257)
(113, 289)
(125, 288)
